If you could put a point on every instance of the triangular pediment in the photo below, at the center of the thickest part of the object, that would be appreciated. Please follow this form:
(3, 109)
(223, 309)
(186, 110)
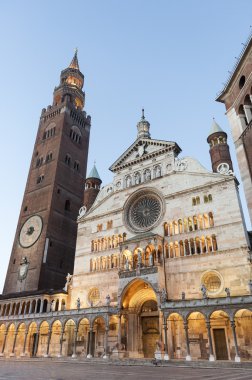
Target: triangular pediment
(143, 149)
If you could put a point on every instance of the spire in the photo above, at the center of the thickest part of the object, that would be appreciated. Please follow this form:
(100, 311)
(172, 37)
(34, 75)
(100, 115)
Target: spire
(94, 173)
(74, 63)
(215, 128)
(143, 127)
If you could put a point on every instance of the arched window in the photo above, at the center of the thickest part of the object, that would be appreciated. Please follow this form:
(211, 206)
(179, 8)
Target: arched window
(39, 161)
(68, 159)
(171, 250)
(180, 226)
(197, 243)
(40, 179)
(190, 224)
(67, 205)
(211, 219)
(181, 248)
(49, 157)
(194, 201)
(185, 225)
(76, 165)
(197, 200)
(205, 199)
(214, 240)
(187, 251)
(200, 222)
(176, 249)
(49, 131)
(195, 223)
(171, 232)
(210, 198)
(206, 221)
(209, 244)
(175, 227)
(192, 245)
(75, 134)
(203, 244)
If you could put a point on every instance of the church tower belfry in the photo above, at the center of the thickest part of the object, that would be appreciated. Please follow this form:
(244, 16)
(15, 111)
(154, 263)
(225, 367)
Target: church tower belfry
(44, 244)
(219, 149)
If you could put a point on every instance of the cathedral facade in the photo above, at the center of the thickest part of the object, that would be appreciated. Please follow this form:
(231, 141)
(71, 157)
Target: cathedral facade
(162, 264)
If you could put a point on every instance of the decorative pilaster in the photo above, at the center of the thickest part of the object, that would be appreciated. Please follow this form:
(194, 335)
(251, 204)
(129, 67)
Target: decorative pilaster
(211, 356)
(89, 355)
(24, 346)
(105, 356)
(74, 345)
(188, 355)
(61, 342)
(14, 343)
(166, 355)
(237, 356)
(48, 343)
(4, 343)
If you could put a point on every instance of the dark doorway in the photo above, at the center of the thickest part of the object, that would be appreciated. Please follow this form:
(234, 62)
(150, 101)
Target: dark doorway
(35, 344)
(220, 344)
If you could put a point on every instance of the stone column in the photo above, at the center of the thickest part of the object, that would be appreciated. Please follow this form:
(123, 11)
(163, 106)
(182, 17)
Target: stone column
(188, 355)
(4, 343)
(89, 355)
(24, 346)
(119, 336)
(74, 344)
(105, 356)
(30, 308)
(237, 356)
(211, 356)
(166, 355)
(61, 342)
(48, 343)
(41, 306)
(14, 343)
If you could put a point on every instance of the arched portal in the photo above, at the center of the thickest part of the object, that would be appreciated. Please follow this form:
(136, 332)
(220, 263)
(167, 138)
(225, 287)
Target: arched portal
(140, 325)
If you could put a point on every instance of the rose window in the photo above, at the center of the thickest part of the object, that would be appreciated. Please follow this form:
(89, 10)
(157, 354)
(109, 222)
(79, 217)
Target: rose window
(143, 211)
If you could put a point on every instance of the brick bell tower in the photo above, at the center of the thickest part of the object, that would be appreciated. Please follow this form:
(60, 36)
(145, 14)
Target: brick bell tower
(219, 149)
(44, 245)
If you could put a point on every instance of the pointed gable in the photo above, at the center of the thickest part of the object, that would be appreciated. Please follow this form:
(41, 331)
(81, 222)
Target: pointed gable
(143, 149)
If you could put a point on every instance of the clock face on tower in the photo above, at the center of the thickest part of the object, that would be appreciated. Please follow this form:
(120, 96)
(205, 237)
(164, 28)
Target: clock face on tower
(30, 231)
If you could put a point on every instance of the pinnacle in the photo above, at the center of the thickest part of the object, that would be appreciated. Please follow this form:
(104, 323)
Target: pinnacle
(74, 63)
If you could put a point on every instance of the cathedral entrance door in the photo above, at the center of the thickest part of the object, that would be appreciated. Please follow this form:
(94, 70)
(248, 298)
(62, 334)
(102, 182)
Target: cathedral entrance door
(150, 328)
(150, 335)
(220, 343)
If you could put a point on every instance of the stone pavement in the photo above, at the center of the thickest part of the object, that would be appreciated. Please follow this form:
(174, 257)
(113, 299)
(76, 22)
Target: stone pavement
(68, 370)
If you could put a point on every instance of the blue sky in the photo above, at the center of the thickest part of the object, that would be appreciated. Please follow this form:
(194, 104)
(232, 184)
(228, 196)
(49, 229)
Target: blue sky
(170, 57)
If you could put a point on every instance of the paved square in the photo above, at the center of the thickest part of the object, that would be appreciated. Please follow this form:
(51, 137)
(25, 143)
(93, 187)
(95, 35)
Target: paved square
(50, 370)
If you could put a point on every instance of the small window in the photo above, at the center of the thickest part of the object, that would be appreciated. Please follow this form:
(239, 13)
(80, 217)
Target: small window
(25, 209)
(205, 199)
(242, 81)
(14, 261)
(50, 244)
(68, 159)
(67, 205)
(40, 179)
(58, 191)
(76, 166)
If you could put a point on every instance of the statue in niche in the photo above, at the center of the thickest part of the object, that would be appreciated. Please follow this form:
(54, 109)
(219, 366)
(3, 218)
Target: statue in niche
(203, 291)
(69, 278)
(227, 290)
(137, 178)
(147, 175)
(158, 171)
(78, 303)
(53, 305)
(108, 300)
(183, 296)
(128, 181)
